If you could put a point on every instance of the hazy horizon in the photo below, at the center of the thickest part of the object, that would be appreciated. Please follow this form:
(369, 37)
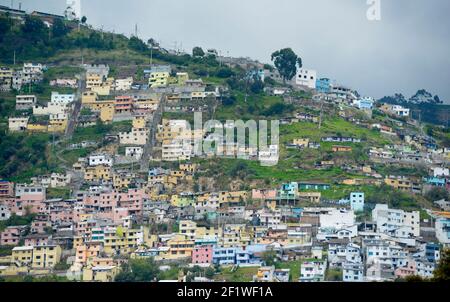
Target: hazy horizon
(407, 50)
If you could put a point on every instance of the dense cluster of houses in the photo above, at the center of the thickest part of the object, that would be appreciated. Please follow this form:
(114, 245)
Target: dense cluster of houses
(94, 231)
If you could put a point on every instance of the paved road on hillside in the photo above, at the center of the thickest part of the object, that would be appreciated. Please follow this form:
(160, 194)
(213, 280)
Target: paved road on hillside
(151, 142)
(77, 106)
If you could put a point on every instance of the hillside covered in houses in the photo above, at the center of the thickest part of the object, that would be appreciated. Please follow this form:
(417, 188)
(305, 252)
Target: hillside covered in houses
(99, 181)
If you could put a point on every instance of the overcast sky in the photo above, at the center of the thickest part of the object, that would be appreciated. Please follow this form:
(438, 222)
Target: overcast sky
(407, 50)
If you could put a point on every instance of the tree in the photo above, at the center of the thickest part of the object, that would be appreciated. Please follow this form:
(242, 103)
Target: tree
(286, 62)
(269, 257)
(442, 272)
(138, 270)
(137, 44)
(198, 52)
(257, 85)
(209, 273)
(83, 20)
(59, 29)
(436, 194)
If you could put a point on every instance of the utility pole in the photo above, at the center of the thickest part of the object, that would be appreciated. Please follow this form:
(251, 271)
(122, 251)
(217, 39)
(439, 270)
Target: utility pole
(14, 60)
(320, 118)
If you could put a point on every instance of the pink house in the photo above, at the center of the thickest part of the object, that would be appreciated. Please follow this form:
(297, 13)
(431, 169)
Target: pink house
(6, 189)
(37, 239)
(263, 194)
(409, 270)
(101, 202)
(202, 254)
(133, 200)
(11, 235)
(29, 198)
(40, 226)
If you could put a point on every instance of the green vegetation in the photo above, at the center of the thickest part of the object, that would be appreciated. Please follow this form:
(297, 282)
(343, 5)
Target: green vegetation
(15, 220)
(294, 266)
(442, 272)
(49, 278)
(138, 270)
(253, 107)
(286, 62)
(240, 274)
(24, 155)
(333, 275)
(58, 193)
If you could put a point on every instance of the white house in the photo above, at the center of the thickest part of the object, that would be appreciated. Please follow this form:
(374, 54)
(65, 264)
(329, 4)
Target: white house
(5, 213)
(400, 111)
(352, 272)
(389, 220)
(100, 159)
(135, 152)
(440, 172)
(312, 271)
(25, 102)
(18, 123)
(306, 78)
(270, 156)
(442, 227)
(135, 137)
(337, 218)
(62, 98)
(123, 84)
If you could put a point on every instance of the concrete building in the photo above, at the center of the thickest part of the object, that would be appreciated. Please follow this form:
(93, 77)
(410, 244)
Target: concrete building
(357, 201)
(306, 78)
(396, 222)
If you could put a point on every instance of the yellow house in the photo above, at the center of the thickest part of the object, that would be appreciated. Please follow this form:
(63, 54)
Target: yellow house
(187, 228)
(58, 123)
(204, 232)
(37, 127)
(93, 80)
(158, 79)
(102, 90)
(179, 247)
(402, 183)
(98, 105)
(107, 113)
(121, 241)
(123, 180)
(46, 256)
(101, 273)
(97, 173)
(233, 197)
(37, 257)
(301, 142)
(182, 77)
(313, 197)
(139, 122)
(78, 241)
(89, 97)
(188, 167)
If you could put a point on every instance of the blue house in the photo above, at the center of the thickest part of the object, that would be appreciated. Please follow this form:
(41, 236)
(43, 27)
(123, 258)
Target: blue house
(432, 252)
(224, 256)
(436, 181)
(288, 191)
(365, 103)
(357, 201)
(323, 85)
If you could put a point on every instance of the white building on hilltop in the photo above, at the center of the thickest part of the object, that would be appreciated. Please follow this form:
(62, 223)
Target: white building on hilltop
(73, 10)
(306, 78)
